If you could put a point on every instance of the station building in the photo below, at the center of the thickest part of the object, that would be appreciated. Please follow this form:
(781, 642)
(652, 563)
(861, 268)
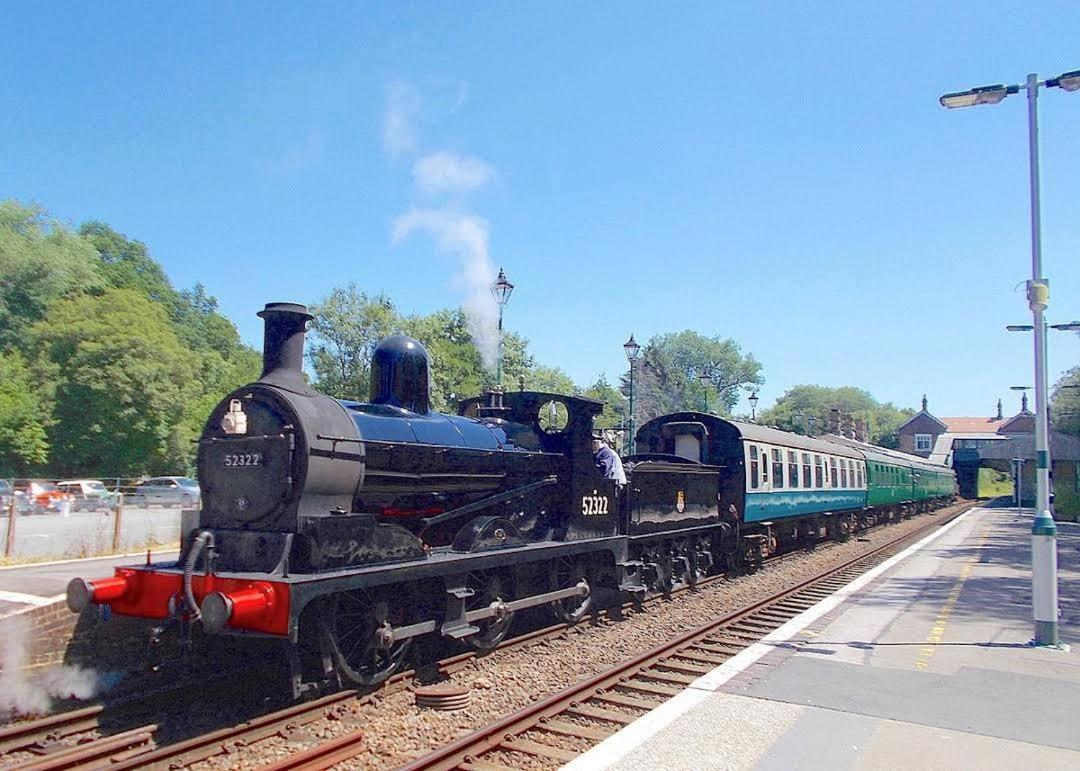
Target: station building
(984, 451)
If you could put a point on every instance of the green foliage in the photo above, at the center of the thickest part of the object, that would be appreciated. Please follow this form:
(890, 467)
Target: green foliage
(123, 384)
(549, 379)
(348, 325)
(105, 367)
(793, 412)
(41, 261)
(24, 417)
(1065, 403)
(666, 377)
(616, 407)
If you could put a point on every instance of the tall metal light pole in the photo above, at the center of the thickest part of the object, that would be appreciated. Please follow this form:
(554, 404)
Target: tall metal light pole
(500, 291)
(633, 351)
(1043, 529)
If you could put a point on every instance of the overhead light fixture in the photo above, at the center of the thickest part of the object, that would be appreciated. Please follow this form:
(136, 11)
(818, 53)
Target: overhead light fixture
(1069, 81)
(975, 96)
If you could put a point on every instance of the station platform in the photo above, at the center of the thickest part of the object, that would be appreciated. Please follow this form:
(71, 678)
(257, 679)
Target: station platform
(923, 663)
(38, 584)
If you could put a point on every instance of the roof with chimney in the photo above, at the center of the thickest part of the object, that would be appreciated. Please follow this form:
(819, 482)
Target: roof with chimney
(998, 428)
(923, 414)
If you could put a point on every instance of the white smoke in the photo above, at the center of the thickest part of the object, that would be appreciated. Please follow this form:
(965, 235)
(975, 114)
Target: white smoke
(399, 120)
(446, 172)
(465, 236)
(21, 694)
(454, 230)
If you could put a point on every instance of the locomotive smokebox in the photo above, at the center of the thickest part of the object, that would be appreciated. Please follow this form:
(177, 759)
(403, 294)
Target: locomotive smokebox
(399, 374)
(283, 345)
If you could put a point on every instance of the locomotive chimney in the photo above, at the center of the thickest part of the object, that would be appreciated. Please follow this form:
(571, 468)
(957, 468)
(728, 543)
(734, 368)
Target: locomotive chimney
(283, 345)
(400, 374)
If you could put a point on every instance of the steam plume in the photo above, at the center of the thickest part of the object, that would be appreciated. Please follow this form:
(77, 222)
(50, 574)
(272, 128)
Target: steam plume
(21, 694)
(466, 237)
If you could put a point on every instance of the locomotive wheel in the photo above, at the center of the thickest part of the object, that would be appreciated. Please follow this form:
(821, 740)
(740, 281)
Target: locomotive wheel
(489, 588)
(564, 573)
(355, 624)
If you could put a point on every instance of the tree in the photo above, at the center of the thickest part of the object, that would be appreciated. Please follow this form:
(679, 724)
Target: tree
(41, 261)
(24, 417)
(666, 375)
(616, 406)
(127, 264)
(1065, 403)
(794, 410)
(549, 379)
(348, 325)
(123, 382)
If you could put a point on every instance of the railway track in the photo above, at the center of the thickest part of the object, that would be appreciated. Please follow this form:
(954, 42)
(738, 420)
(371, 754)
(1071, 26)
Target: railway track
(66, 741)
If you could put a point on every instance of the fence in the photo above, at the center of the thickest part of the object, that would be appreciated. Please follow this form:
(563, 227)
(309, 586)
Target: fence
(63, 519)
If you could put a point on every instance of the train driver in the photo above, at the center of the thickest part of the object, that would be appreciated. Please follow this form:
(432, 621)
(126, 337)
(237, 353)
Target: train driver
(608, 461)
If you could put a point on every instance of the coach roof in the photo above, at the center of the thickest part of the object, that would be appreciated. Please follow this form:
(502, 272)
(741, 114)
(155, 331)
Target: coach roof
(755, 433)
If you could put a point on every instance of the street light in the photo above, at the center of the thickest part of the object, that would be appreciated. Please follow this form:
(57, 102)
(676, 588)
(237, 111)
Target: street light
(706, 380)
(500, 292)
(753, 406)
(633, 351)
(1043, 529)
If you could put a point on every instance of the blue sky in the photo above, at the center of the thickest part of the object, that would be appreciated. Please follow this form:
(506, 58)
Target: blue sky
(780, 173)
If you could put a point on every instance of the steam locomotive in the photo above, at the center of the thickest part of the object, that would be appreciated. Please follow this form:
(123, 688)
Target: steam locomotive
(348, 529)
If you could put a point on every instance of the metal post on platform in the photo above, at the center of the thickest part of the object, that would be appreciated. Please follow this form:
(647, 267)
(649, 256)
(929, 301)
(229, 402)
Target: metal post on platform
(1043, 529)
(116, 523)
(1019, 484)
(9, 541)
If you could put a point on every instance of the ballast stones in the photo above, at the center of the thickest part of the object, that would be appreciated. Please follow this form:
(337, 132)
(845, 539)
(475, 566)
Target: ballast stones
(445, 697)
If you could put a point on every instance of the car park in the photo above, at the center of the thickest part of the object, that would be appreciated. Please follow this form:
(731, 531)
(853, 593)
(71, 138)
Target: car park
(42, 496)
(88, 494)
(166, 491)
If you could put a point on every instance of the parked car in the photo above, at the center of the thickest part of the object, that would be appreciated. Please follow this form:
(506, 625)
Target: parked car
(42, 496)
(88, 494)
(166, 491)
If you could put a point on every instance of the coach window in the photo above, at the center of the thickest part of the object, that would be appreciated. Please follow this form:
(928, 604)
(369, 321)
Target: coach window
(859, 467)
(819, 471)
(753, 467)
(832, 472)
(764, 466)
(808, 473)
(843, 472)
(777, 467)
(793, 468)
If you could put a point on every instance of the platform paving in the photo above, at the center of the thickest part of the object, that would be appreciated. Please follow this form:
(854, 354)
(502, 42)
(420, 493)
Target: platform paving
(926, 666)
(27, 586)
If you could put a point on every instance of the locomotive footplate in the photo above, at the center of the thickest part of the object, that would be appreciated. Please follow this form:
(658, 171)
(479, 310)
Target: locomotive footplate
(252, 598)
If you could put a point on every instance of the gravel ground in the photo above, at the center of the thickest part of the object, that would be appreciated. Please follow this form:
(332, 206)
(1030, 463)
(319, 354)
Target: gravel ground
(396, 731)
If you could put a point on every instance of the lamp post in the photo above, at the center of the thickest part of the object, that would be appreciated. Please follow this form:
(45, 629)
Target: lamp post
(500, 291)
(633, 351)
(1043, 529)
(705, 379)
(753, 406)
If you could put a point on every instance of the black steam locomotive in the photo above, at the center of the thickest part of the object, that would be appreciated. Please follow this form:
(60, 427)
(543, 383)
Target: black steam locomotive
(347, 529)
